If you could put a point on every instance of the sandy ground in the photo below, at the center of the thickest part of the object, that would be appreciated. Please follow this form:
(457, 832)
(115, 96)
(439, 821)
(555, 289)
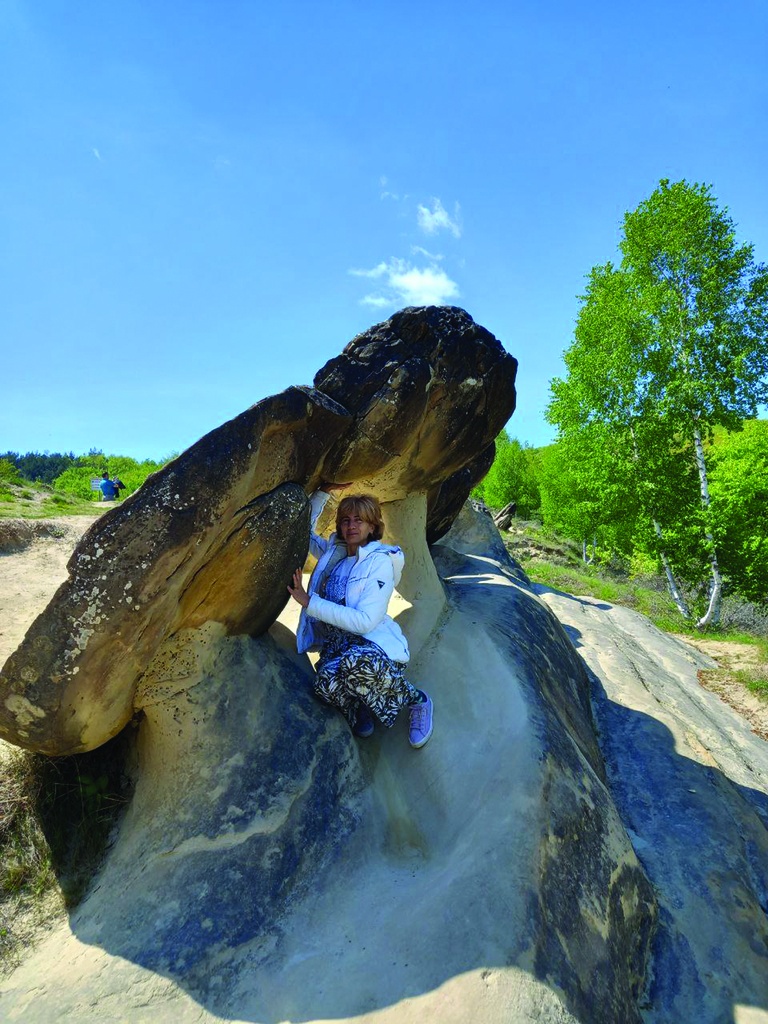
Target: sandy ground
(33, 563)
(730, 658)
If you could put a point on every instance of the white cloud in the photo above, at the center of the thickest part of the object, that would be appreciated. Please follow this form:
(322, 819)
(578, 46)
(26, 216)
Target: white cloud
(438, 219)
(97, 154)
(404, 284)
(378, 271)
(417, 250)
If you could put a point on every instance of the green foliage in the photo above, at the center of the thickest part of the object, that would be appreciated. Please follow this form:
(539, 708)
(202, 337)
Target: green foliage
(512, 477)
(9, 474)
(584, 493)
(704, 306)
(668, 346)
(41, 467)
(739, 490)
(76, 479)
(596, 582)
(642, 565)
(632, 583)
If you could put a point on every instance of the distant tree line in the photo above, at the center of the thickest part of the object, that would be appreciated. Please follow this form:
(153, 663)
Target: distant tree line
(72, 474)
(40, 467)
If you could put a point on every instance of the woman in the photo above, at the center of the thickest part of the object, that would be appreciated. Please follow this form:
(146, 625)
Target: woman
(344, 614)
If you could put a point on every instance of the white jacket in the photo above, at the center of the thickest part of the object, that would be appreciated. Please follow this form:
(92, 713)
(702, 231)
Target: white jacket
(371, 582)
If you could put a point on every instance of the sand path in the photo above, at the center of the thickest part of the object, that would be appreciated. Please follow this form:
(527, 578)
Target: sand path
(33, 564)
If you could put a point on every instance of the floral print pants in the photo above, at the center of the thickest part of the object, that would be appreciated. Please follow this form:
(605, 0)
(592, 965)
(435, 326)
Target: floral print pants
(353, 671)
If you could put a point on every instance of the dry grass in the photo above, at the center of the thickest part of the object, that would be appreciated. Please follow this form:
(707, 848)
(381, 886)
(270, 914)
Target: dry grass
(741, 678)
(57, 816)
(29, 892)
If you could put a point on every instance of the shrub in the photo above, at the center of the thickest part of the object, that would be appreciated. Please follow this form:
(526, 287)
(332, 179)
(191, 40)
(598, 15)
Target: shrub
(8, 472)
(76, 479)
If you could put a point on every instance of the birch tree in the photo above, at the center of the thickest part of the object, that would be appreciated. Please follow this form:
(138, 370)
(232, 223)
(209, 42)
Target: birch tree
(669, 344)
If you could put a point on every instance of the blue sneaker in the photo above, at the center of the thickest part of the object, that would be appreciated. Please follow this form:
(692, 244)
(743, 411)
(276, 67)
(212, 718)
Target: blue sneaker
(364, 723)
(421, 722)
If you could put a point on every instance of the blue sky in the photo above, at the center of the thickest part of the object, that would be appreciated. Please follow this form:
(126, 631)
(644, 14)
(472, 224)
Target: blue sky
(202, 202)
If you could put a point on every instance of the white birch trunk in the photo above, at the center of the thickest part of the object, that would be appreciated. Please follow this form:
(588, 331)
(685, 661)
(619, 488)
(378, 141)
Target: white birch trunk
(712, 613)
(590, 560)
(674, 590)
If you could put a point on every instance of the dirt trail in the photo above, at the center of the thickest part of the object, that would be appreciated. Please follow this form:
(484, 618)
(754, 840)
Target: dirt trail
(732, 657)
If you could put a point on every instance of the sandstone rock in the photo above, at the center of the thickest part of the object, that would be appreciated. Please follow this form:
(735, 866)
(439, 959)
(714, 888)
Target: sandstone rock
(214, 536)
(428, 390)
(582, 840)
(272, 868)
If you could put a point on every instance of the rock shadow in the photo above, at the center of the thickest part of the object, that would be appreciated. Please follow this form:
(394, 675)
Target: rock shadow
(330, 879)
(702, 839)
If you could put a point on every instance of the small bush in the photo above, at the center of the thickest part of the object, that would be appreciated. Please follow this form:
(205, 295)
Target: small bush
(746, 616)
(643, 566)
(755, 680)
(9, 473)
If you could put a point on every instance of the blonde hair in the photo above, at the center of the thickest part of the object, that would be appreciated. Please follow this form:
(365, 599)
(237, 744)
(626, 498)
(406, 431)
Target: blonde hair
(365, 506)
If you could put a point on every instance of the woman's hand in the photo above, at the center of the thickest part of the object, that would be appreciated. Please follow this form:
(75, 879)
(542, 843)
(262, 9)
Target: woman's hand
(297, 591)
(329, 487)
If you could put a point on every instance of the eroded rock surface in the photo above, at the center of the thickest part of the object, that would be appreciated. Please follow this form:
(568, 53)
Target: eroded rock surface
(214, 536)
(271, 867)
(690, 781)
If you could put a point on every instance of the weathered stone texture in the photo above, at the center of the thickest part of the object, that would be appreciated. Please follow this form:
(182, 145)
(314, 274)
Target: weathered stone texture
(215, 535)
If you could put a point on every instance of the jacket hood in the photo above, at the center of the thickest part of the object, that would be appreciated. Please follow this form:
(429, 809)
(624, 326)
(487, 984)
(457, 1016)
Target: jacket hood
(395, 553)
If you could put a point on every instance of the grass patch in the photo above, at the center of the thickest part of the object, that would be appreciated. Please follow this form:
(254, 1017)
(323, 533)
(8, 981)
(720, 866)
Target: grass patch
(592, 581)
(755, 679)
(557, 563)
(57, 815)
(40, 501)
(743, 627)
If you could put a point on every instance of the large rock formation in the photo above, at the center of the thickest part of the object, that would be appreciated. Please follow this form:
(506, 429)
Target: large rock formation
(412, 406)
(271, 867)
